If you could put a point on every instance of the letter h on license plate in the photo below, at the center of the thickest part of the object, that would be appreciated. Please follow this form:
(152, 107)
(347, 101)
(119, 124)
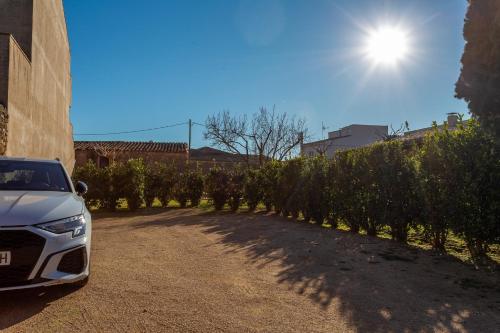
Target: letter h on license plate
(4, 258)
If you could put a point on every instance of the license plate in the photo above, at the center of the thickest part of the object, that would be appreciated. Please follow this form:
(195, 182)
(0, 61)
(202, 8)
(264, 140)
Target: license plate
(5, 258)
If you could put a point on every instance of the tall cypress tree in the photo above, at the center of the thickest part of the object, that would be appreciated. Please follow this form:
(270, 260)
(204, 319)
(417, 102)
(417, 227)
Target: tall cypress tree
(479, 82)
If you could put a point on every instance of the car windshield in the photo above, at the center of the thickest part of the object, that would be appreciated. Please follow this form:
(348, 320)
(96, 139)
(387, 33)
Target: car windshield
(32, 176)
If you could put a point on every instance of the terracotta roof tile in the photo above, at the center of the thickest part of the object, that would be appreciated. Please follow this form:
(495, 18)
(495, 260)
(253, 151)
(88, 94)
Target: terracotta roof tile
(137, 146)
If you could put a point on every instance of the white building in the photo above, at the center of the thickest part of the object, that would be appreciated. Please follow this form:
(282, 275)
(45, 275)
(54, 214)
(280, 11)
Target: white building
(351, 136)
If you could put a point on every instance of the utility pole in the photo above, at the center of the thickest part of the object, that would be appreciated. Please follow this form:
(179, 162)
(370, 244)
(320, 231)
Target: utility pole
(190, 124)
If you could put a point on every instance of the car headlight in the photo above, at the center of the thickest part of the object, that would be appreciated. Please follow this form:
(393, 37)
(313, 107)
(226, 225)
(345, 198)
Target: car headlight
(75, 224)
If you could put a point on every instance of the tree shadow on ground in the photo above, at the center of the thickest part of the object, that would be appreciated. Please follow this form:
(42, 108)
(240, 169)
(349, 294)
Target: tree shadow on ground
(17, 306)
(377, 285)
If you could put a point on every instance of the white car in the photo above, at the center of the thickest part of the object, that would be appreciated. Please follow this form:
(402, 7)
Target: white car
(45, 228)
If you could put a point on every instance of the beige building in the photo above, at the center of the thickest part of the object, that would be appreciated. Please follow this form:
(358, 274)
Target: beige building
(352, 136)
(35, 81)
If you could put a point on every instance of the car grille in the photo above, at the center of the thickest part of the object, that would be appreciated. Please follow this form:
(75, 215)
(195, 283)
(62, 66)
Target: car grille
(25, 248)
(73, 262)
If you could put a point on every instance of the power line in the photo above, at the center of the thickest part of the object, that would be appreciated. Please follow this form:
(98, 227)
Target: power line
(133, 131)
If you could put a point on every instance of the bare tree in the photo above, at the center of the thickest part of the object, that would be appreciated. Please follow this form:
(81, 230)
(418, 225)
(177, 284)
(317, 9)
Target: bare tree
(269, 135)
(229, 133)
(396, 133)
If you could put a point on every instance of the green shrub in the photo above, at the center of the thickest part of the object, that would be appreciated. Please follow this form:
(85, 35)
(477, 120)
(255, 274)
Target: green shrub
(291, 187)
(168, 174)
(333, 211)
(473, 174)
(345, 189)
(217, 183)
(194, 185)
(181, 190)
(438, 186)
(118, 181)
(253, 188)
(270, 185)
(153, 183)
(236, 187)
(393, 198)
(316, 202)
(97, 181)
(133, 191)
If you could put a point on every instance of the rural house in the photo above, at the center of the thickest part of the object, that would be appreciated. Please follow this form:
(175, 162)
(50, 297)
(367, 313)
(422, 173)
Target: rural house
(35, 81)
(104, 152)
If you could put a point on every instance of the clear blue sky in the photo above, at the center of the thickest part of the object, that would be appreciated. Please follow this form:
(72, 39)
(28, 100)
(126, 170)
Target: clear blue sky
(140, 64)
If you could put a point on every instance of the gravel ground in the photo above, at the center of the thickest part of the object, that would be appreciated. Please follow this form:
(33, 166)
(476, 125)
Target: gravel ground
(194, 271)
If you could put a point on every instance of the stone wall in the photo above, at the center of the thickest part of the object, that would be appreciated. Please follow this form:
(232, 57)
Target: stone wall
(4, 117)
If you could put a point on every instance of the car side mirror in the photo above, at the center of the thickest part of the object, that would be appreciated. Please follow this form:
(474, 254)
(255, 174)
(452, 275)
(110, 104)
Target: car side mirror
(81, 188)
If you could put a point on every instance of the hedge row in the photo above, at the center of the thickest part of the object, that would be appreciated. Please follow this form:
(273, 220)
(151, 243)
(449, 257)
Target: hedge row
(448, 182)
(140, 184)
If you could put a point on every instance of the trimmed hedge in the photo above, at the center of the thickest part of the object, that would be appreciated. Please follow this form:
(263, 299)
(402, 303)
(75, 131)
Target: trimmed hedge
(449, 181)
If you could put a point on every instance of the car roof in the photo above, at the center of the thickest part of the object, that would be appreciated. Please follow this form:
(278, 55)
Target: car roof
(25, 159)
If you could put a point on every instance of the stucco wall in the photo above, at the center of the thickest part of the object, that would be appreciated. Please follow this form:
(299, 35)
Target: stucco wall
(20, 128)
(39, 89)
(51, 82)
(16, 19)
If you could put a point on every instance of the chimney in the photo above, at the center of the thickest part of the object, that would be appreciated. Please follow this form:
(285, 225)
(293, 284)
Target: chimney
(452, 120)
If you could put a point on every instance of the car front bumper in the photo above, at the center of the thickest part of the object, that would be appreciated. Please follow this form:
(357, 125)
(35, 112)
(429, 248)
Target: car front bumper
(41, 258)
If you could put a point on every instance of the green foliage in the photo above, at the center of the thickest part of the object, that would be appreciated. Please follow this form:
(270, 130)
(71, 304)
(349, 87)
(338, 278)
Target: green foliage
(315, 187)
(189, 187)
(291, 186)
(168, 174)
(447, 185)
(97, 181)
(393, 198)
(134, 178)
(236, 188)
(217, 184)
(252, 188)
(194, 184)
(270, 185)
(345, 189)
(153, 182)
(473, 173)
(478, 83)
(118, 179)
(181, 190)
(438, 182)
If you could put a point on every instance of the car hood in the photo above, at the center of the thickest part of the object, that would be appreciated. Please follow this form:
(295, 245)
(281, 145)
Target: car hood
(20, 208)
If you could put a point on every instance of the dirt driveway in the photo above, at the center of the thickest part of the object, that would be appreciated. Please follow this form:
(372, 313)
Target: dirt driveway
(192, 271)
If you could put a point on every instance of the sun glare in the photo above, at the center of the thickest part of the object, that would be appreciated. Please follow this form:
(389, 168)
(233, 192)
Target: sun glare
(387, 45)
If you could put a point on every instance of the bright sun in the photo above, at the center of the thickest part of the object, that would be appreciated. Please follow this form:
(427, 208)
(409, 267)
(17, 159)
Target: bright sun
(387, 45)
